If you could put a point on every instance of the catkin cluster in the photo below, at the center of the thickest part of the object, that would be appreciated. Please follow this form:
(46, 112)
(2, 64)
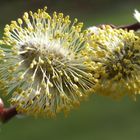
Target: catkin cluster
(48, 64)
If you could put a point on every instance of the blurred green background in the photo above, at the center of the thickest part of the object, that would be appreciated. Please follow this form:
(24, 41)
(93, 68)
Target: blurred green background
(100, 118)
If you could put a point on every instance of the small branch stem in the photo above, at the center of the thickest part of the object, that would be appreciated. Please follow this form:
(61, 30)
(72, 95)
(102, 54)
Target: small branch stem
(7, 113)
(135, 26)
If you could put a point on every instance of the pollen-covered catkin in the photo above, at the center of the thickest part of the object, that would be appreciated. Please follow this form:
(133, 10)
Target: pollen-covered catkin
(45, 66)
(118, 53)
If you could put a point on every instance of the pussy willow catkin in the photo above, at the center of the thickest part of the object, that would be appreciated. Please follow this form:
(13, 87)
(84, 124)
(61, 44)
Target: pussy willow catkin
(45, 66)
(118, 52)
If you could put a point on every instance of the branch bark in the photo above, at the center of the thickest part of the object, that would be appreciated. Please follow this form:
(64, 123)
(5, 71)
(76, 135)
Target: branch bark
(7, 113)
(135, 26)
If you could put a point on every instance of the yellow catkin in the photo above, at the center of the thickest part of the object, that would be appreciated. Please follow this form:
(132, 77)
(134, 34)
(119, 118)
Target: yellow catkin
(118, 52)
(46, 67)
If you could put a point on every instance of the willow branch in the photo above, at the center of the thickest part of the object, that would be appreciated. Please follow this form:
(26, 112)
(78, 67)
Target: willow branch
(7, 113)
(135, 26)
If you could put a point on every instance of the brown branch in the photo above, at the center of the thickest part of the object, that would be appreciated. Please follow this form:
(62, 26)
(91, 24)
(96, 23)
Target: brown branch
(7, 113)
(135, 26)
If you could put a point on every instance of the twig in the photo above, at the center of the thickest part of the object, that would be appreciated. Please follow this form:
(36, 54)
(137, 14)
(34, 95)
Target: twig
(135, 27)
(7, 113)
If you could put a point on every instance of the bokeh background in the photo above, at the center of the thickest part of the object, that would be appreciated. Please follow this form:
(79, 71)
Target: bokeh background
(100, 118)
